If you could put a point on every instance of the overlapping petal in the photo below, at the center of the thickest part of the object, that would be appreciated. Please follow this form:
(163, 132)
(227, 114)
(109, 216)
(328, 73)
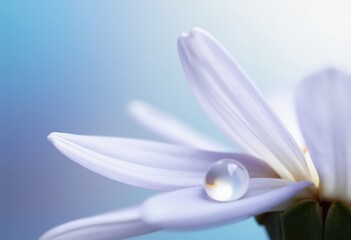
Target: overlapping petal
(283, 103)
(169, 127)
(148, 164)
(323, 104)
(186, 208)
(191, 208)
(109, 226)
(233, 102)
(231, 99)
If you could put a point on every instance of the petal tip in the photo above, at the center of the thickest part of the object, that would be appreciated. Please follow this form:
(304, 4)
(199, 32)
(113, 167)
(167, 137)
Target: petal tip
(188, 42)
(306, 184)
(330, 71)
(193, 33)
(135, 106)
(181, 40)
(183, 35)
(56, 136)
(51, 137)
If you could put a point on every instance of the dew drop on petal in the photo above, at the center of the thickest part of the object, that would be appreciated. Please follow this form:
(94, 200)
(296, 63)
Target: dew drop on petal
(226, 180)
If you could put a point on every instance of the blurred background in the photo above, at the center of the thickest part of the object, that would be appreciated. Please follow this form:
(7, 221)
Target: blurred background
(72, 66)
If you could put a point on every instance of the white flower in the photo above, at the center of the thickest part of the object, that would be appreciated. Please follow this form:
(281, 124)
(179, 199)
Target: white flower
(277, 166)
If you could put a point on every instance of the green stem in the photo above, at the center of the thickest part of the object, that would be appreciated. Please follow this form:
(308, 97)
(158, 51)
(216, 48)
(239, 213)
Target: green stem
(309, 220)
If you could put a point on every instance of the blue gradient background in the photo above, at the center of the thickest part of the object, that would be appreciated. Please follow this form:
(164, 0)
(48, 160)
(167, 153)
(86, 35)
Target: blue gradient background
(72, 66)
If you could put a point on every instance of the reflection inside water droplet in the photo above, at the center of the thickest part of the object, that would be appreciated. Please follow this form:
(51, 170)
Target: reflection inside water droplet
(226, 180)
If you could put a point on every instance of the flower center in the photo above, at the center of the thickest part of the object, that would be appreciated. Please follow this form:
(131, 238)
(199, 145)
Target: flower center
(226, 180)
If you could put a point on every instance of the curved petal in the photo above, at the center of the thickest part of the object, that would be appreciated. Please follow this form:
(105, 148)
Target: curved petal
(114, 225)
(169, 127)
(148, 164)
(323, 104)
(283, 102)
(191, 208)
(232, 100)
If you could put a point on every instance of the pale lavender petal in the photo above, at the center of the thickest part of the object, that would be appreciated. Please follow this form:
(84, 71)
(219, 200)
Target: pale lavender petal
(232, 100)
(283, 102)
(169, 127)
(191, 208)
(148, 164)
(323, 104)
(110, 226)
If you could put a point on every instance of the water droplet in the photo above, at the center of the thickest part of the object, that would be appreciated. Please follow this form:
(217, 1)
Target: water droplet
(226, 180)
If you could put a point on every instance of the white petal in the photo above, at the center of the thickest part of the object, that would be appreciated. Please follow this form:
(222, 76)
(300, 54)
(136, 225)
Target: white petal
(232, 100)
(169, 127)
(114, 225)
(148, 164)
(283, 102)
(323, 103)
(191, 208)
